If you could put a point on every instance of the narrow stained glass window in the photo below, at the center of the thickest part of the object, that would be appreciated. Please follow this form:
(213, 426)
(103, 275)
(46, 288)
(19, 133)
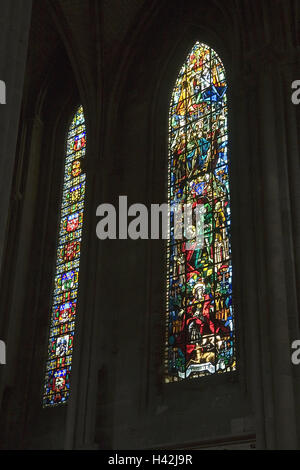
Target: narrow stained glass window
(200, 324)
(63, 312)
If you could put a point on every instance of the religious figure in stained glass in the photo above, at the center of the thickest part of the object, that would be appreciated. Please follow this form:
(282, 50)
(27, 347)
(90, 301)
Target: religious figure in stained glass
(63, 313)
(200, 320)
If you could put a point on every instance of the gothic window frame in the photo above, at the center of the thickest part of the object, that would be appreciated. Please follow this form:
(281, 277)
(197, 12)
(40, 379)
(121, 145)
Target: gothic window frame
(169, 347)
(62, 322)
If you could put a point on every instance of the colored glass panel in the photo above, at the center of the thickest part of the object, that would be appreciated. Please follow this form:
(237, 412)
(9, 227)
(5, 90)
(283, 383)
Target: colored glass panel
(63, 312)
(200, 320)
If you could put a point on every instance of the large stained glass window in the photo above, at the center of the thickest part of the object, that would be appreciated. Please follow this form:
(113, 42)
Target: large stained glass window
(200, 323)
(63, 312)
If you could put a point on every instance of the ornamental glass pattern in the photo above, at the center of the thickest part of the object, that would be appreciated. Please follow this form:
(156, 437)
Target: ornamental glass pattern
(63, 312)
(200, 323)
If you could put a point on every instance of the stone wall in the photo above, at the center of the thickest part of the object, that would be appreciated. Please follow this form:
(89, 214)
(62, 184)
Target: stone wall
(123, 72)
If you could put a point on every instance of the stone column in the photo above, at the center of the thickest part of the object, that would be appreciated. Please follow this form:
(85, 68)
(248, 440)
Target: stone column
(15, 18)
(276, 281)
(12, 318)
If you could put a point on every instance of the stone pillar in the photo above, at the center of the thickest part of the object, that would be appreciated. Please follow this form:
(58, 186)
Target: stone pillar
(14, 26)
(12, 319)
(275, 263)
